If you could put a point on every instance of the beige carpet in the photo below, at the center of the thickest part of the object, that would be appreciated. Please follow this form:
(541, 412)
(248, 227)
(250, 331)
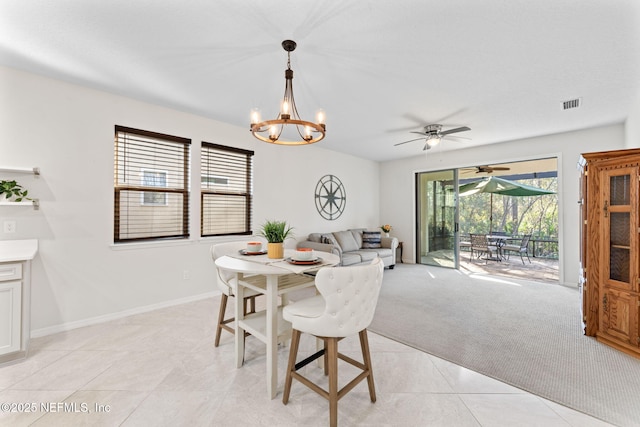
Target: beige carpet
(526, 334)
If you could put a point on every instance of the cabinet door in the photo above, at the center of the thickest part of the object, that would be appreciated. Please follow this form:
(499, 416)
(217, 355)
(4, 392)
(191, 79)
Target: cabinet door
(620, 228)
(10, 316)
(619, 316)
(619, 255)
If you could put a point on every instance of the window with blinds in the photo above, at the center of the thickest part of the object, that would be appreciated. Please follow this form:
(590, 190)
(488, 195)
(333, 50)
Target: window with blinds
(151, 186)
(226, 177)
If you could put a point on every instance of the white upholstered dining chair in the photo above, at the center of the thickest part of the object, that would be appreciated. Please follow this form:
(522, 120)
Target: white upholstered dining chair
(345, 306)
(227, 283)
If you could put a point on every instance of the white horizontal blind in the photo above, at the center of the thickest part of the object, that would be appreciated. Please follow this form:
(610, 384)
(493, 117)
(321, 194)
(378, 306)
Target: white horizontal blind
(226, 176)
(151, 186)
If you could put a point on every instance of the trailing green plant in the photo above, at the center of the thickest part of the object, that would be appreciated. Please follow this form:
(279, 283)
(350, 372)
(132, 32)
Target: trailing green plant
(12, 189)
(275, 231)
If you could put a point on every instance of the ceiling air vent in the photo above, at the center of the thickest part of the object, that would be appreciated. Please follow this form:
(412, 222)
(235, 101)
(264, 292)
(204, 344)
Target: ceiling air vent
(572, 103)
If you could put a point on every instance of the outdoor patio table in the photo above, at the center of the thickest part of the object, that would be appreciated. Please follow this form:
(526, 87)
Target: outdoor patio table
(499, 240)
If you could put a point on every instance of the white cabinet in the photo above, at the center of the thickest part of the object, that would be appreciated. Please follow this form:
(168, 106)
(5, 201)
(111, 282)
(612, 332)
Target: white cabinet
(10, 315)
(15, 297)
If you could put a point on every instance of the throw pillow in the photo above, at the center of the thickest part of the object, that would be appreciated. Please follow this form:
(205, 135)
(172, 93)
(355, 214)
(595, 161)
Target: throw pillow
(371, 239)
(327, 238)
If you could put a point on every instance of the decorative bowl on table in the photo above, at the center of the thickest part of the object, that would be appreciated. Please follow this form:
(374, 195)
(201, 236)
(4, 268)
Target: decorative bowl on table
(254, 247)
(303, 254)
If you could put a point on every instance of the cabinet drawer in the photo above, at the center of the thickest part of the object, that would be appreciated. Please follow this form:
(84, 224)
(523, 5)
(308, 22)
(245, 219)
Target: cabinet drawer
(12, 271)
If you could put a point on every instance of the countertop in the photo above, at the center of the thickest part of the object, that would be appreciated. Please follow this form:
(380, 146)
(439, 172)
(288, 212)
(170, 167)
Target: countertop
(18, 250)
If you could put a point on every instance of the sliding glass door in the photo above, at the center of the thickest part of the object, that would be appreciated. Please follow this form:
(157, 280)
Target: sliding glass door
(437, 218)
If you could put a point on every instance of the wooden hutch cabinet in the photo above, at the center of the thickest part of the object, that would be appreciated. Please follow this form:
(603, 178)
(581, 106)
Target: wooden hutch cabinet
(610, 248)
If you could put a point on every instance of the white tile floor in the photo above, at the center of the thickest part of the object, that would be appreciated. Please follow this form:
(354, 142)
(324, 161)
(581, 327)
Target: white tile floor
(161, 369)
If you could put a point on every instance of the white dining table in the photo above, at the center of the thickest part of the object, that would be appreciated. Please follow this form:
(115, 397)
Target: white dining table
(269, 326)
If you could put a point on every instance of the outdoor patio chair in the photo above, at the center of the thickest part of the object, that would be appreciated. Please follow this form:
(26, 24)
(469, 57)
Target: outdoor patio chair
(465, 243)
(522, 248)
(480, 245)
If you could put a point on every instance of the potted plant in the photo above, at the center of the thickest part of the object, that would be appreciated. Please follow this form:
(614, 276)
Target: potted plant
(275, 232)
(12, 191)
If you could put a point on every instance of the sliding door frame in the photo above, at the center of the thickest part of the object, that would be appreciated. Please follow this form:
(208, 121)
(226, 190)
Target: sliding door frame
(437, 217)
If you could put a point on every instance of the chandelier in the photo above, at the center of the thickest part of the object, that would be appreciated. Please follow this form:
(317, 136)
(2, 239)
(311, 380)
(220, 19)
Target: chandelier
(309, 132)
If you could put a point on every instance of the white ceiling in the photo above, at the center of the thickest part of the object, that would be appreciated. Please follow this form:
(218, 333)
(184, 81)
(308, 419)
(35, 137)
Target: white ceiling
(379, 69)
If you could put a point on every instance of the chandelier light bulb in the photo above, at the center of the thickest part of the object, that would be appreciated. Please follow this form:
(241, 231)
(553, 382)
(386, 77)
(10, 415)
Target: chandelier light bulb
(284, 110)
(320, 117)
(255, 116)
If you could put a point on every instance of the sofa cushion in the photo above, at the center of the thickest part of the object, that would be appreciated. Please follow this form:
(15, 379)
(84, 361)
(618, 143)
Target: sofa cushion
(381, 252)
(366, 254)
(346, 241)
(357, 234)
(350, 258)
(315, 237)
(371, 239)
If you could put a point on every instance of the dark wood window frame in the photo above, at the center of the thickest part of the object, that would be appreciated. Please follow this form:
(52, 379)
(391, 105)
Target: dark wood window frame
(134, 151)
(226, 202)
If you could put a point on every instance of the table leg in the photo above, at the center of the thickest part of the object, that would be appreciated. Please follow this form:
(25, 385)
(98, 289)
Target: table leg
(272, 335)
(239, 315)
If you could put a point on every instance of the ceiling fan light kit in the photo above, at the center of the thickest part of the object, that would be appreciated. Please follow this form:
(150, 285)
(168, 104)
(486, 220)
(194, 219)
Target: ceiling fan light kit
(433, 134)
(309, 132)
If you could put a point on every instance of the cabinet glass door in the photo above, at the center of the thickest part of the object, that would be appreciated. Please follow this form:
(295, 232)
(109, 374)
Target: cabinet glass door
(619, 197)
(618, 297)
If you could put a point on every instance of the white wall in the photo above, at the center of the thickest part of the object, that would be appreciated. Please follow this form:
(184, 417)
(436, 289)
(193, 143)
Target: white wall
(632, 125)
(78, 275)
(397, 182)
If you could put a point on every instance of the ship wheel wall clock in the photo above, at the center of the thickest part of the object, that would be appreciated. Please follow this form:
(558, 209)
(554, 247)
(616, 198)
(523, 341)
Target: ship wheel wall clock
(331, 197)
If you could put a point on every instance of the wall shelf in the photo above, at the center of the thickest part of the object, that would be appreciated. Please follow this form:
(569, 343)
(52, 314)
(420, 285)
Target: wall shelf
(35, 203)
(35, 171)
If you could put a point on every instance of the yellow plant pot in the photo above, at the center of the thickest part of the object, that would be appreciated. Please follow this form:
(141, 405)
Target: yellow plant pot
(275, 250)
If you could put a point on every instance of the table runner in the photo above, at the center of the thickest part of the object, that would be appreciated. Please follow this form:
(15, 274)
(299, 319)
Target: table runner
(280, 262)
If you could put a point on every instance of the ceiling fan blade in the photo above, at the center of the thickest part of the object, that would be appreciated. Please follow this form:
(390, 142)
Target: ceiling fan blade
(460, 129)
(404, 142)
(419, 133)
(456, 137)
(500, 168)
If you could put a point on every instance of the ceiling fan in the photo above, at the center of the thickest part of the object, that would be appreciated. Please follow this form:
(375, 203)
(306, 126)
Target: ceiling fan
(432, 134)
(487, 169)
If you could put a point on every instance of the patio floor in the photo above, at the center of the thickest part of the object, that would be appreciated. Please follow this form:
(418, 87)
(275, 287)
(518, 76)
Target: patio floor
(540, 269)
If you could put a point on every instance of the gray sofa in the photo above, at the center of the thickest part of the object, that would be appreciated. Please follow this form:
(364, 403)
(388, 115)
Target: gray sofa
(351, 248)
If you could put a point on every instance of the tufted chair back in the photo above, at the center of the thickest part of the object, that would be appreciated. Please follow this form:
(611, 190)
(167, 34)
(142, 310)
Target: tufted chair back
(225, 276)
(350, 296)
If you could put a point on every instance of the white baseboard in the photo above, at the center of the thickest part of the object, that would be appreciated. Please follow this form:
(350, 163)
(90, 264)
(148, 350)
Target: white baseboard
(118, 315)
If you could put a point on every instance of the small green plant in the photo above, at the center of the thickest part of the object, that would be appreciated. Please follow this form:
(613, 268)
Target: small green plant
(275, 231)
(14, 191)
